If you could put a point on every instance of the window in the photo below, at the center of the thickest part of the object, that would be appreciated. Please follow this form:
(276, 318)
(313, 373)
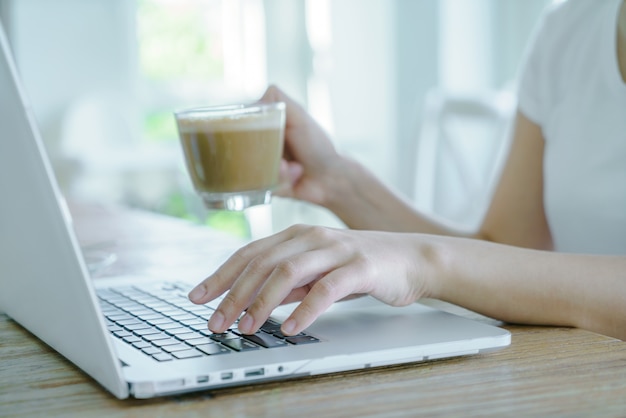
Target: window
(196, 53)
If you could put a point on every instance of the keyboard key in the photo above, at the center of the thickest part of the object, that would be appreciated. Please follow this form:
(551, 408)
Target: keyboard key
(200, 310)
(187, 354)
(175, 311)
(178, 330)
(120, 317)
(270, 327)
(122, 334)
(201, 340)
(265, 340)
(279, 334)
(182, 317)
(132, 321)
(195, 322)
(201, 327)
(137, 326)
(140, 311)
(156, 337)
(302, 339)
(188, 336)
(212, 349)
(114, 328)
(176, 347)
(132, 339)
(151, 316)
(162, 357)
(170, 324)
(224, 336)
(162, 320)
(165, 342)
(148, 331)
(151, 350)
(239, 344)
(142, 344)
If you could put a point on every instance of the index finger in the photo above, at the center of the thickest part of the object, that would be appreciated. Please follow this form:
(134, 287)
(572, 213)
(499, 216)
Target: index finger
(295, 113)
(224, 277)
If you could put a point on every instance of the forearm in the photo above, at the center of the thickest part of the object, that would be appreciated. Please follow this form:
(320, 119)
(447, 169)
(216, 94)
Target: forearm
(535, 287)
(362, 201)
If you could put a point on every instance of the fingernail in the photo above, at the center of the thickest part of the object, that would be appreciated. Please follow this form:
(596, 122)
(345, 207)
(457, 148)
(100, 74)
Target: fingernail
(289, 326)
(246, 323)
(216, 322)
(197, 293)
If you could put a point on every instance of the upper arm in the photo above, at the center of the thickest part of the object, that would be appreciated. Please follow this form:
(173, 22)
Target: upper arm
(516, 214)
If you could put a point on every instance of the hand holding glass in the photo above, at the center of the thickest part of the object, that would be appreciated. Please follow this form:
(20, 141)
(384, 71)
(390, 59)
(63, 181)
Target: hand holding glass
(233, 153)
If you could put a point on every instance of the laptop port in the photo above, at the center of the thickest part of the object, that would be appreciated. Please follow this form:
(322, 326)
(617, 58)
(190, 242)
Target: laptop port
(254, 372)
(227, 375)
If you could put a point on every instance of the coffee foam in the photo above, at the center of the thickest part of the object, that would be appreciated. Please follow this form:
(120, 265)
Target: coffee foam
(247, 122)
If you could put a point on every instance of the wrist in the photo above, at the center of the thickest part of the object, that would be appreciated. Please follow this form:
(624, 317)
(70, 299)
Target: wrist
(435, 265)
(341, 183)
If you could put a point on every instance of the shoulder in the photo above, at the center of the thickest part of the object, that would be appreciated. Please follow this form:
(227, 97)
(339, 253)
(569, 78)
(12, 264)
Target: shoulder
(562, 25)
(564, 21)
(566, 26)
(565, 38)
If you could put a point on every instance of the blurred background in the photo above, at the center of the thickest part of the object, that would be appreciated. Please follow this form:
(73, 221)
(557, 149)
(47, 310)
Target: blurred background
(420, 91)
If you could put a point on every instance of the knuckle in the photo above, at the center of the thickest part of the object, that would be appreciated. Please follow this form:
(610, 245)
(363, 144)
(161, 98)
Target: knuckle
(315, 233)
(318, 232)
(229, 304)
(256, 266)
(325, 289)
(287, 269)
(343, 247)
(296, 229)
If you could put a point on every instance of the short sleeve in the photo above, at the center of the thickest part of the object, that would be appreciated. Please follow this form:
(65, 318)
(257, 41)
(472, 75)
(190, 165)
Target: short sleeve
(533, 79)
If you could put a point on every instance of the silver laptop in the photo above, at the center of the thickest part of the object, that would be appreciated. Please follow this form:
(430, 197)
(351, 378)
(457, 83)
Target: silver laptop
(141, 337)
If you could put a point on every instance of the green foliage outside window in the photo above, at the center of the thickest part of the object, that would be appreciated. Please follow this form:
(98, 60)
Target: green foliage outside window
(160, 127)
(180, 39)
(233, 223)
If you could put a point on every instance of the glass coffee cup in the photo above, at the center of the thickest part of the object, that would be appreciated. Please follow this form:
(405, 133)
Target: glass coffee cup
(233, 153)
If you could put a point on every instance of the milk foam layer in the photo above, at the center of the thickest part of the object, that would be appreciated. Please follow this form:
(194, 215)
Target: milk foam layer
(239, 120)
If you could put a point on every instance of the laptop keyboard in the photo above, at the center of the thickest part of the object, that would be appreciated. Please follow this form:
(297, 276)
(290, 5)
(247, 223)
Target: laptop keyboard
(166, 326)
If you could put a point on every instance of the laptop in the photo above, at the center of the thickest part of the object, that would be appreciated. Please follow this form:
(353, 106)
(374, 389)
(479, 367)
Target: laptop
(140, 337)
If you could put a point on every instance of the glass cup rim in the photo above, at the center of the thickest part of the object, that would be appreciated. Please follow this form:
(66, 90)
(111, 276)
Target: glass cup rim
(220, 111)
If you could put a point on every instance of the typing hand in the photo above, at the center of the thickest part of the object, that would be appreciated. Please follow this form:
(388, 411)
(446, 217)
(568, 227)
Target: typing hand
(316, 266)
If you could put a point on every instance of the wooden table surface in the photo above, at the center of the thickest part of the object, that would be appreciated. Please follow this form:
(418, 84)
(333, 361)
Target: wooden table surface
(545, 372)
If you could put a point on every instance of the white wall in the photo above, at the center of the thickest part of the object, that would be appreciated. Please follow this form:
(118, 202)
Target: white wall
(359, 74)
(362, 82)
(417, 71)
(66, 49)
(361, 77)
(288, 57)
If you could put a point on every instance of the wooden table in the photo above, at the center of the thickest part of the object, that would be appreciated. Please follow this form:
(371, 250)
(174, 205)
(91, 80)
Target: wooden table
(546, 371)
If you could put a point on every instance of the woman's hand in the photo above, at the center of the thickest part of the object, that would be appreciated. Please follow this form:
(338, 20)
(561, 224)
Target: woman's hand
(317, 266)
(310, 161)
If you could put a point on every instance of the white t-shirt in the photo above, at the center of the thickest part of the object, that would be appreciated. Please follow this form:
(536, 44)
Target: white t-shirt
(571, 86)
